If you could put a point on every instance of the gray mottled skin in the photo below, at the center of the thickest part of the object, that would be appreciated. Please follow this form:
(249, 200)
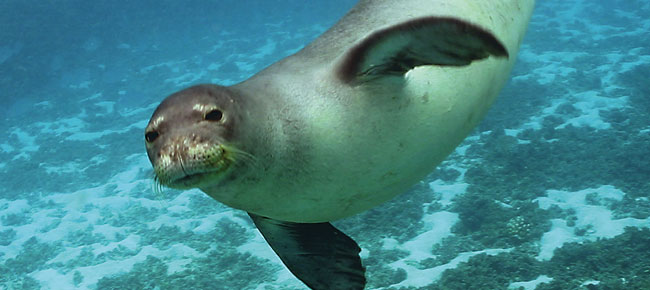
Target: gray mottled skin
(332, 150)
(352, 120)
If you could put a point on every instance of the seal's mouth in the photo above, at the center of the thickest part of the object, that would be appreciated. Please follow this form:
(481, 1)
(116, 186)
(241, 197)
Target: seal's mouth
(193, 167)
(194, 180)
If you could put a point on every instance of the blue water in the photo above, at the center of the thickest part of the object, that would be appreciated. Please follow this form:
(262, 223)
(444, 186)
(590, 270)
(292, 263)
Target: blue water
(550, 191)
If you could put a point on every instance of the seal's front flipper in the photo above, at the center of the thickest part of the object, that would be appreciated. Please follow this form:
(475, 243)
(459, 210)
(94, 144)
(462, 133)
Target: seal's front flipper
(317, 253)
(422, 41)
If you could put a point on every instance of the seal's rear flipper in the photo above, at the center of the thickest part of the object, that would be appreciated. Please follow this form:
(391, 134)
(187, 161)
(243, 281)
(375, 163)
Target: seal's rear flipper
(317, 253)
(422, 41)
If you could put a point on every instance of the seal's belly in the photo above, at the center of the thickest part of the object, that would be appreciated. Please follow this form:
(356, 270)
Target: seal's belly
(366, 151)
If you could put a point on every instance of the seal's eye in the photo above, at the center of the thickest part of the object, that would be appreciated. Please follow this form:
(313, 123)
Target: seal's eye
(214, 115)
(151, 136)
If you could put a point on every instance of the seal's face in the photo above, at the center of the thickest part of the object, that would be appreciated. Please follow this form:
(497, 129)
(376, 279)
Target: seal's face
(188, 137)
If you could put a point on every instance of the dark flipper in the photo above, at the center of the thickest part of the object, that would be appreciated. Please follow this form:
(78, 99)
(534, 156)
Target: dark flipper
(422, 41)
(318, 254)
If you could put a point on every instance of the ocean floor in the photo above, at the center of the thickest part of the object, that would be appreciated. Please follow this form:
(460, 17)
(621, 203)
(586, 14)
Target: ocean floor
(552, 191)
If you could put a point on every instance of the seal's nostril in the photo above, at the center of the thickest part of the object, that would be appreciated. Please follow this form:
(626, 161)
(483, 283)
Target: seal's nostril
(151, 136)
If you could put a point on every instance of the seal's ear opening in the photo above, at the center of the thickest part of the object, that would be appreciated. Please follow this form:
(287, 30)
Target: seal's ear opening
(399, 48)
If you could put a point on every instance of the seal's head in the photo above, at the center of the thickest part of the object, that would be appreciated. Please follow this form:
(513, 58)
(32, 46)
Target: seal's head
(189, 137)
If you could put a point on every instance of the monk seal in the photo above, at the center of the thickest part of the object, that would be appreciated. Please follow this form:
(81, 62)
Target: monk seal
(350, 121)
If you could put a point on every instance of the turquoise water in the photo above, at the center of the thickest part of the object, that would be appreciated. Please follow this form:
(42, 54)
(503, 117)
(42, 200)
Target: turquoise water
(551, 191)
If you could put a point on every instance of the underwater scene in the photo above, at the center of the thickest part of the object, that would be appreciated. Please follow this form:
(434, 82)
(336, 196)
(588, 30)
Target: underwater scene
(550, 191)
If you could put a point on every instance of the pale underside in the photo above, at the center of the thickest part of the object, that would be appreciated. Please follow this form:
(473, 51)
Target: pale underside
(370, 141)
